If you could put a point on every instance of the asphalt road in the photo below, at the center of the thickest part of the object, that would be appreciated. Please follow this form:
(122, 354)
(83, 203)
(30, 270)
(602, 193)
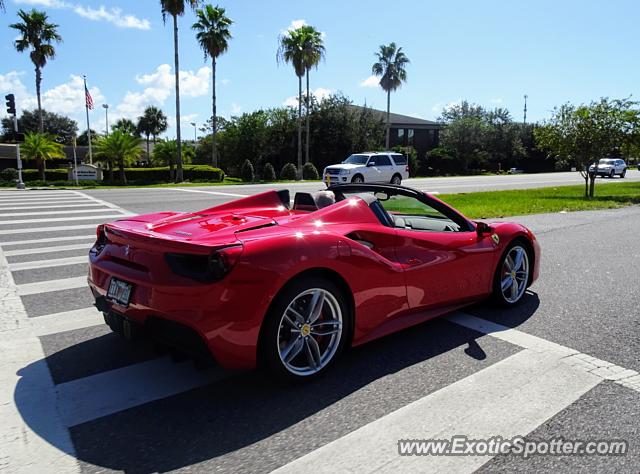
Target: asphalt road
(114, 406)
(177, 199)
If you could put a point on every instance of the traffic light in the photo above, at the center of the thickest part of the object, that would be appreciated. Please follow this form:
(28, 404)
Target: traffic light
(11, 104)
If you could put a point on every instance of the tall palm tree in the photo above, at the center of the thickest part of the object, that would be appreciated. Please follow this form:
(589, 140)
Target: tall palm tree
(390, 67)
(118, 147)
(291, 50)
(125, 125)
(41, 147)
(37, 35)
(176, 8)
(152, 123)
(313, 50)
(213, 36)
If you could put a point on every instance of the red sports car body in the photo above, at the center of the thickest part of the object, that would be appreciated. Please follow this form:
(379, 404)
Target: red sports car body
(259, 278)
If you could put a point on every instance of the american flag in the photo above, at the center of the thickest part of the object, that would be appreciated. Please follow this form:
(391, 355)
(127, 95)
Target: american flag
(88, 98)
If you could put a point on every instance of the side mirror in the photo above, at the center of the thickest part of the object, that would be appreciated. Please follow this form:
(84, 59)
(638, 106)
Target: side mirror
(483, 228)
(371, 163)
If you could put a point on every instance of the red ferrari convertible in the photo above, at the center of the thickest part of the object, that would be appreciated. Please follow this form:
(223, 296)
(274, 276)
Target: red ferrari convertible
(290, 284)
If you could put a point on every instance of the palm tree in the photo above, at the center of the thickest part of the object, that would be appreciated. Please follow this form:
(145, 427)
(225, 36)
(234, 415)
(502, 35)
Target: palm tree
(118, 147)
(152, 123)
(213, 36)
(41, 147)
(37, 34)
(176, 8)
(165, 154)
(391, 70)
(291, 50)
(313, 50)
(125, 125)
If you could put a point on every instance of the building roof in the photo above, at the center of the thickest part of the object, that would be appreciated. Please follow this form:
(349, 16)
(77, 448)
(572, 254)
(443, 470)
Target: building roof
(400, 121)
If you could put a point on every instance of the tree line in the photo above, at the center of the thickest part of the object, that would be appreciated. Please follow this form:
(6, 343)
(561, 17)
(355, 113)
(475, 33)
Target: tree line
(301, 47)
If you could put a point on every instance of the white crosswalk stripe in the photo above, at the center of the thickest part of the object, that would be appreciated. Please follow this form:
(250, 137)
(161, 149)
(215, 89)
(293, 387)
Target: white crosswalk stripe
(55, 213)
(59, 248)
(54, 262)
(512, 396)
(68, 238)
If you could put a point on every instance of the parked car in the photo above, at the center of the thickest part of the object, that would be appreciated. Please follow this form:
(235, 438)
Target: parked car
(610, 167)
(368, 167)
(260, 281)
(515, 171)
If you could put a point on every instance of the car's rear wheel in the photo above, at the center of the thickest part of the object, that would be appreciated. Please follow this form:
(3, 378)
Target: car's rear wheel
(306, 329)
(397, 179)
(623, 174)
(512, 276)
(357, 179)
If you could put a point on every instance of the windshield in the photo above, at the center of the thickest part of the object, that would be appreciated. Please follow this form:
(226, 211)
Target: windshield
(606, 162)
(356, 160)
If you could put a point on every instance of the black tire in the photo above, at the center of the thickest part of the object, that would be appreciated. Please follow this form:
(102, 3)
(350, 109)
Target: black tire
(612, 174)
(357, 179)
(497, 295)
(396, 179)
(270, 339)
(623, 174)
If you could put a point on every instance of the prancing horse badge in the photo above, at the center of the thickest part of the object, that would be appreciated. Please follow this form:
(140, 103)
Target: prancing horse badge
(495, 238)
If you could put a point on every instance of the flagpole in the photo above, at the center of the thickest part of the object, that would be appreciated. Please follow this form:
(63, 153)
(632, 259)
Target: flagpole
(86, 106)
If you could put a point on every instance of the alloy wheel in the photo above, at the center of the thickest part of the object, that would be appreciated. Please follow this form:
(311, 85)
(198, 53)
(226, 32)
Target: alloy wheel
(515, 274)
(310, 332)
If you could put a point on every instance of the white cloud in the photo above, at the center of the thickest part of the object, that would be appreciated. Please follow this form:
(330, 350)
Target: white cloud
(294, 25)
(44, 3)
(159, 86)
(497, 100)
(225, 82)
(371, 81)
(66, 98)
(114, 16)
(439, 106)
(110, 15)
(320, 94)
(235, 109)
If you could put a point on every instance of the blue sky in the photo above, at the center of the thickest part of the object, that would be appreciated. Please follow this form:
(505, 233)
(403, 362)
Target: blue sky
(491, 52)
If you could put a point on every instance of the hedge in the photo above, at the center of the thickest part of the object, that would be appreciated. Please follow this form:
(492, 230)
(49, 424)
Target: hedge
(50, 175)
(139, 175)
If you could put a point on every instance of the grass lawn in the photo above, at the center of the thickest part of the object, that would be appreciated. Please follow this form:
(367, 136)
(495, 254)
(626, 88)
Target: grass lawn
(488, 204)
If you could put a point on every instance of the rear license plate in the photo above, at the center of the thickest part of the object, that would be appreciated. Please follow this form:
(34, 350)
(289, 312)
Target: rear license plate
(119, 291)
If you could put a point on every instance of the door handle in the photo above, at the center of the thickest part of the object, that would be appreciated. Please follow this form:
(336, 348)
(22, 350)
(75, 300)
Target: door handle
(414, 261)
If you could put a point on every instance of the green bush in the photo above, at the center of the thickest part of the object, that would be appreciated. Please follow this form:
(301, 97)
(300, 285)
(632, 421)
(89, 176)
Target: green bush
(309, 171)
(50, 175)
(246, 172)
(9, 174)
(268, 173)
(161, 174)
(289, 171)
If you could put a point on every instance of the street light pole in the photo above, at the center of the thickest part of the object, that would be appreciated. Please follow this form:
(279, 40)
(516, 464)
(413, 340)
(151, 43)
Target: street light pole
(106, 117)
(195, 133)
(525, 109)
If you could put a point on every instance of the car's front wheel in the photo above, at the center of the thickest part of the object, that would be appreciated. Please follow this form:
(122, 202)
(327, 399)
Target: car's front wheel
(623, 174)
(357, 179)
(306, 329)
(612, 174)
(512, 276)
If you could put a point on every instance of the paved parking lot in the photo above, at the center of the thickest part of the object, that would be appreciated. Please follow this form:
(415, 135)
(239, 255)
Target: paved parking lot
(77, 398)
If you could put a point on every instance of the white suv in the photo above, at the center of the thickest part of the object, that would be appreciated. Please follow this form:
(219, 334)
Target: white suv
(368, 167)
(610, 167)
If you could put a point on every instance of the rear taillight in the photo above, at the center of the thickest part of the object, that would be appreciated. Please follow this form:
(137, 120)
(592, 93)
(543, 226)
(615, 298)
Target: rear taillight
(205, 268)
(406, 168)
(101, 240)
